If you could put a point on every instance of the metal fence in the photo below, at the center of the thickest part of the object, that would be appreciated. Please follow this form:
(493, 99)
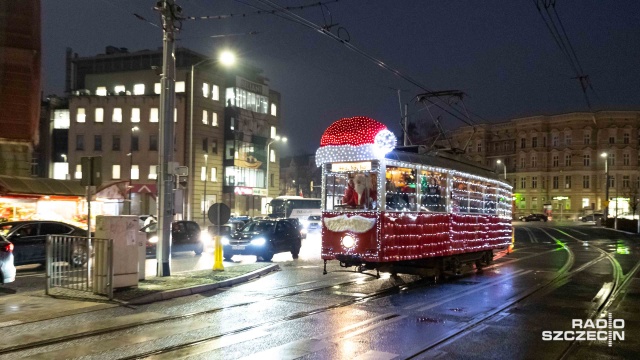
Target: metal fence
(79, 265)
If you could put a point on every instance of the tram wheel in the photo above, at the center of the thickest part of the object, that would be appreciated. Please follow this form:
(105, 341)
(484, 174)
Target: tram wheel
(361, 268)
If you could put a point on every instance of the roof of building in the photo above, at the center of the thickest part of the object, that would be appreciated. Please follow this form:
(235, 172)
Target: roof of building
(14, 185)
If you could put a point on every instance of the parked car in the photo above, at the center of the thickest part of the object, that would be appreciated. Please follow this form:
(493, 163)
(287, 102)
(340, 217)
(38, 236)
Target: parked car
(314, 223)
(263, 238)
(29, 239)
(535, 217)
(185, 236)
(7, 267)
(592, 217)
(244, 218)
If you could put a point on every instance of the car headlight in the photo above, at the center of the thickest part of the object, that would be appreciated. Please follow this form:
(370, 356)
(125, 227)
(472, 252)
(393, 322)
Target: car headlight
(205, 237)
(224, 240)
(258, 241)
(348, 241)
(153, 239)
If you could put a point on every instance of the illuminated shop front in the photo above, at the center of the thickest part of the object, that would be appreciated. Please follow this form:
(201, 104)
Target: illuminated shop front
(244, 180)
(43, 199)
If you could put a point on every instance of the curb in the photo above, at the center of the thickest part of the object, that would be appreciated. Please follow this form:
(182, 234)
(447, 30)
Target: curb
(171, 294)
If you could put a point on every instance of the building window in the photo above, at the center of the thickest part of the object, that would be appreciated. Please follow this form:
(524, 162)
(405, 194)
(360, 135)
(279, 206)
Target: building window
(625, 159)
(232, 124)
(523, 203)
(153, 142)
(479, 147)
(157, 89)
(81, 116)
(534, 161)
(522, 163)
(203, 173)
(135, 143)
(567, 182)
(61, 119)
(567, 160)
(116, 117)
(625, 138)
(626, 181)
(274, 109)
(99, 115)
(612, 140)
(78, 173)
(534, 203)
(135, 115)
(612, 181)
(153, 115)
(523, 183)
(101, 91)
(534, 182)
(205, 145)
(214, 146)
(115, 145)
(80, 142)
(555, 140)
(205, 117)
(612, 159)
(567, 139)
(586, 160)
(135, 172)
(214, 174)
(272, 156)
(534, 142)
(97, 143)
(214, 119)
(585, 203)
(544, 141)
(153, 172)
(523, 143)
(205, 89)
(555, 161)
(555, 182)
(180, 86)
(273, 132)
(586, 139)
(138, 89)
(586, 181)
(115, 172)
(119, 90)
(215, 92)
(271, 180)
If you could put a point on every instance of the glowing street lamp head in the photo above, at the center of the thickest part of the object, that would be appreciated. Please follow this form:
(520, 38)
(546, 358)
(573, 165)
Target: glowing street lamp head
(604, 154)
(499, 161)
(284, 139)
(227, 58)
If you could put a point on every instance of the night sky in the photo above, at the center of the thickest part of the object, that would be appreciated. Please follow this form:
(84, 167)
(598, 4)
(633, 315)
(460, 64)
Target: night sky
(499, 53)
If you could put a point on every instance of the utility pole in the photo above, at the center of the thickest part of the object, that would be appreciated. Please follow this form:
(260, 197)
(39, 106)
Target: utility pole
(169, 10)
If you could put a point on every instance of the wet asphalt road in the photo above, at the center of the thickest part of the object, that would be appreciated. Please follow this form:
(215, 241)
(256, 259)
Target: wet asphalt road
(557, 273)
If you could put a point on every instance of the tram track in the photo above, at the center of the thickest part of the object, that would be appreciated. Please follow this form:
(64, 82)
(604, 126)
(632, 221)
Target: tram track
(377, 294)
(124, 327)
(619, 283)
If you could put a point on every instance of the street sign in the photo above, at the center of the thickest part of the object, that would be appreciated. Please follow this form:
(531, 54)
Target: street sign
(219, 213)
(560, 198)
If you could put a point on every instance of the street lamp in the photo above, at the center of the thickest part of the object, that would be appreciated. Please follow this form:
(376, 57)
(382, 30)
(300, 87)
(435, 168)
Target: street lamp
(226, 58)
(504, 166)
(277, 138)
(204, 200)
(130, 186)
(606, 170)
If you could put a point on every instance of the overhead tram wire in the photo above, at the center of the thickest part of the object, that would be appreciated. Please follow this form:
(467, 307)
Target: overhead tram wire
(259, 12)
(562, 40)
(302, 21)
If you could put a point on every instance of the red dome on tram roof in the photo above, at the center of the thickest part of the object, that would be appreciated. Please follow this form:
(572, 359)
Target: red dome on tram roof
(358, 130)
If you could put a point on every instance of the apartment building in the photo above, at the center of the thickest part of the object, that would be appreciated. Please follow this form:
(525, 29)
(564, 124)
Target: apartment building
(223, 120)
(558, 163)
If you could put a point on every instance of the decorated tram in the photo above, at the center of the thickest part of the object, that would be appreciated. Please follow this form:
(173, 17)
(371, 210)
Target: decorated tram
(401, 210)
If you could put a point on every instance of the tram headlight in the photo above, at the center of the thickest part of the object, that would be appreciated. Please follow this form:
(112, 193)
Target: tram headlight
(348, 241)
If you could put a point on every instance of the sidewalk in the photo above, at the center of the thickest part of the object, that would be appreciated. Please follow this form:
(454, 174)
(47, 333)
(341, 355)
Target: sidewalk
(179, 284)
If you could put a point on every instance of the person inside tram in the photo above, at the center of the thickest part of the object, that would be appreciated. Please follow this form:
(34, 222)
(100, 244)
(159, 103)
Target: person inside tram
(350, 197)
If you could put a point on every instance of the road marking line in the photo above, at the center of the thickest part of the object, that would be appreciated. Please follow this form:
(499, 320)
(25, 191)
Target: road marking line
(376, 355)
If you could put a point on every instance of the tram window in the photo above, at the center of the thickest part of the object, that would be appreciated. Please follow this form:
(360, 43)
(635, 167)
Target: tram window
(351, 191)
(432, 191)
(460, 195)
(400, 189)
(490, 200)
(476, 193)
